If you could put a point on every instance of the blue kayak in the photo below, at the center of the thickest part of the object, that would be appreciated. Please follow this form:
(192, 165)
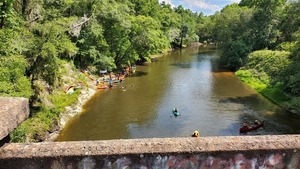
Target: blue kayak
(176, 113)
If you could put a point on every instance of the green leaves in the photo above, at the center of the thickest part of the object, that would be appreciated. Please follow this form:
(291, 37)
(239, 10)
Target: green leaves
(6, 11)
(50, 43)
(146, 37)
(13, 81)
(235, 44)
(270, 62)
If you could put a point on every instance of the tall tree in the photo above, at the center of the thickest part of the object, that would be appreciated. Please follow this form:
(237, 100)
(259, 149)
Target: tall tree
(235, 44)
(13, 81)
(6, 10)
(49, 43)
(146, 37)
(115, 19)
(93, 49)
(290, 21)
(146, 7)
(264, 22)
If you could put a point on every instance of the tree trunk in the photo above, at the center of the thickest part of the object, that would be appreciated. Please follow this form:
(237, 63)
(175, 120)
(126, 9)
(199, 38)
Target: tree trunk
(24, 5)
(181, 41)
(2, 15)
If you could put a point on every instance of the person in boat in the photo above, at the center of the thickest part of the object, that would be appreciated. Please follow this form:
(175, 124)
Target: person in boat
(246, 125)
(110, 85)
(256, 122)
(195, 134)
(175, 110)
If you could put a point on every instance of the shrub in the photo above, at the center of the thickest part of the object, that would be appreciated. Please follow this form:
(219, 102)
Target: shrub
(35, 128)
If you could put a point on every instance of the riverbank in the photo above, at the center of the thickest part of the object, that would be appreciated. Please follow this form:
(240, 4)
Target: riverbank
(70, 111)
(273, 93)
(55, 105)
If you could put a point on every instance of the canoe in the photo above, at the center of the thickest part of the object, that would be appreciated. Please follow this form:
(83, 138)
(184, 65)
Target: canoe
(117, 81)
(103, 71)
(102, 87)
(68, 88)
(251, 128)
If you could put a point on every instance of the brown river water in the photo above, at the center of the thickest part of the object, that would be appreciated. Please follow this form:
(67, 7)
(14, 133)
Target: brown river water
(210, 99)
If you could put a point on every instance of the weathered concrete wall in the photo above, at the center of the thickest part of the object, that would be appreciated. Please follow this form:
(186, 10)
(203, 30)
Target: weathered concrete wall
(280, 151)
(13, 111)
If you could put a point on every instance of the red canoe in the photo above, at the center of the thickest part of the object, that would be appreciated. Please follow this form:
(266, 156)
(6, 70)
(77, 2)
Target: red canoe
(251, 128)
(102, 87)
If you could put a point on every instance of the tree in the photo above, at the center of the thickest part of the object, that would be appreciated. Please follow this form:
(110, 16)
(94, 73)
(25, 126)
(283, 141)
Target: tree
(93, 49)
(290, 21)
(115, 19)
(205, 26)
(264, 22)
(13, 81)
(187, 26)
(6, 11)
(235, 44)
(146, 7)
(49, 43)
(146, 37)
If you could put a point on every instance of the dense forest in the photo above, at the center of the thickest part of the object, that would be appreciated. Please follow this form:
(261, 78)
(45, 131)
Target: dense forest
(259, 39)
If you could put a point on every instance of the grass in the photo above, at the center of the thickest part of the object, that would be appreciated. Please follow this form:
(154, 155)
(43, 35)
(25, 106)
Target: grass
(43, 118)
(247, 77)
(260, 84)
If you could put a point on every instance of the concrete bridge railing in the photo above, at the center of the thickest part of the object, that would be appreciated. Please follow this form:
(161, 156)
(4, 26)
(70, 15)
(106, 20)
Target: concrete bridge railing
(263, 152)
(13, 111)
(278, 151)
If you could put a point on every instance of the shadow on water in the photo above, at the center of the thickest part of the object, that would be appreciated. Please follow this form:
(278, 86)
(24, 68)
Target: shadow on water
(277, 120)
(182, 65)
(139, 74)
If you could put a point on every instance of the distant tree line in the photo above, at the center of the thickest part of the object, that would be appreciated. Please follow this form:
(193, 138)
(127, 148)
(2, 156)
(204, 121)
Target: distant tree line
(110, 34)
(106, 35)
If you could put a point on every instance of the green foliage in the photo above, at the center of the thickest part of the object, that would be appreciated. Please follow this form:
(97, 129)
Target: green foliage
(146, 41)
(276, 94)
(48, 45)
(36, 127)
(93, 49)
(257, 81)
(286, 46)
(289, 24)
(12, 41)
(205, 29)
(61, 100)
(270, 62)
(293, 104)
(234, 44)
(260, 82)
(264, 23)
(293, 82)
(12, 79)
(6, 12)
(146, 7)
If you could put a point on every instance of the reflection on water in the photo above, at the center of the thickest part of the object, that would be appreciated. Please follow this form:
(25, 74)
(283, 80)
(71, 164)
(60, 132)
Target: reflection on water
(210, 99)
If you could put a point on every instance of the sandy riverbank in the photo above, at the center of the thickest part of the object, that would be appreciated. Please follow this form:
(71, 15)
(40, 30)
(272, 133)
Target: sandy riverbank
(70, 111)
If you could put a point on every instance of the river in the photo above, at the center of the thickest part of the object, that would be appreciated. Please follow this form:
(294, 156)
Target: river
(210, 99)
